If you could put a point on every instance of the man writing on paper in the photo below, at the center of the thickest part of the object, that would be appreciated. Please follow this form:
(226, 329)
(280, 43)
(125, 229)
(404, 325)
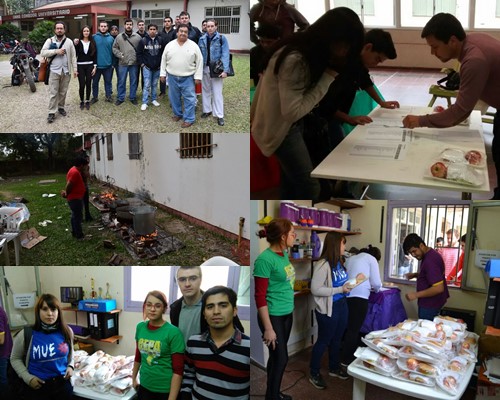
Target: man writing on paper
(479, 56)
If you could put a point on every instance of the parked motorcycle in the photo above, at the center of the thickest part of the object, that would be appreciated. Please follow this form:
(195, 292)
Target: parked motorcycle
(24, 67)
(5, 48)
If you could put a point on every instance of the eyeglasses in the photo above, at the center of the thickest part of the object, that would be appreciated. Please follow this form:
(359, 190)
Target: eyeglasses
(156, 306)
(184, 279)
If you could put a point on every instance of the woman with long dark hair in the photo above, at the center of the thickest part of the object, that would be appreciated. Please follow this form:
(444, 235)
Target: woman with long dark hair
(297, 77)
(366, 263)
(274, 280)
(159, 352)
(329, 288)
(86, 61)
(47, 366)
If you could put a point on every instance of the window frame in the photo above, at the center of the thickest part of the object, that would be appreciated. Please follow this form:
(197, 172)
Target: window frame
(424, 204)
(233, 280)
(109, 146)
(234, 18)
(134, 146)
(196, 145)
(98, 148)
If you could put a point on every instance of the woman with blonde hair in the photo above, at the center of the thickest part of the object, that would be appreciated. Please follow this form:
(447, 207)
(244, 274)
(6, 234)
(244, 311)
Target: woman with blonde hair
(47, 366)
(159, 352)
(274, 280)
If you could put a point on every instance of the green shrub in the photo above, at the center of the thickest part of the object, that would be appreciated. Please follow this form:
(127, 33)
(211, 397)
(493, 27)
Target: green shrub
(43, 30)
(9, 31)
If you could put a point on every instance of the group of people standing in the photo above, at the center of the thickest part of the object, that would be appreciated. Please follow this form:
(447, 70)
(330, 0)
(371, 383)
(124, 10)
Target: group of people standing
(179, 56)
(201, 354)
(340, 305)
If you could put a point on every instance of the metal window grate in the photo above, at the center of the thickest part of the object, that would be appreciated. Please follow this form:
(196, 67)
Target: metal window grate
(196, 145)
(134, 148)
(228, 18)
(156, 17)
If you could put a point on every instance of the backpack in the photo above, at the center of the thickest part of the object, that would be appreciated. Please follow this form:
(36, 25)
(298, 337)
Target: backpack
(16, 384)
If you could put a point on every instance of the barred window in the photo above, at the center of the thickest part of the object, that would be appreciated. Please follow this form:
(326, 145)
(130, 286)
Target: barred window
(196, 145)
(109, 145)
(156, 17)
(97, 148)
(27, 26)
(134, 146)
(228, 18)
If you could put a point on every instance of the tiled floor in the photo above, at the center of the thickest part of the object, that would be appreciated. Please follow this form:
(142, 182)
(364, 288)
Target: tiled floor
(409, 87)
(296, 384)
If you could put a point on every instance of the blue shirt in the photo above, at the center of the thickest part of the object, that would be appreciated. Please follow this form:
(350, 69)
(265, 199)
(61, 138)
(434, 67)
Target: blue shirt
(339, 277)
(48, 355)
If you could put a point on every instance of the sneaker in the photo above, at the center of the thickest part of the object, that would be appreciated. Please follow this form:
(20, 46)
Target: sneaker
(87, 105)
(144, 107)
(94, 100)
(109, 99)
(62, 111)
(118, 102)
(339, 373)
(317, 381)
(134, 102)
(51, 118)
(220, 121)
(205, 115)
(81, 105)
(155, 103)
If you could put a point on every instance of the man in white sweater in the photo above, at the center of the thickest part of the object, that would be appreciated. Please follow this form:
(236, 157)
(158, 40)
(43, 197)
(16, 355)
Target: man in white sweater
(183, 62)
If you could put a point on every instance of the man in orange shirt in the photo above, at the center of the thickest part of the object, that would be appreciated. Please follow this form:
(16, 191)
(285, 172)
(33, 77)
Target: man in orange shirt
(74, 192)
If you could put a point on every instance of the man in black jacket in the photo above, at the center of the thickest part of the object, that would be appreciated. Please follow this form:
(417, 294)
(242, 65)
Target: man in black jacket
(167, 34)
(185, 313)
(149, 54)
(194, 33)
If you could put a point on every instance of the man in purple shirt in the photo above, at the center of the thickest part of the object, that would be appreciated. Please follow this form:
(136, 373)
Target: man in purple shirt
(432, 291)
(479, 57)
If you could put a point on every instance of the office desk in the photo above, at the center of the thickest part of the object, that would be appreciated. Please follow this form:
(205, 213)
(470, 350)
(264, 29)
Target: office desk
(361, 376)
(423, 146)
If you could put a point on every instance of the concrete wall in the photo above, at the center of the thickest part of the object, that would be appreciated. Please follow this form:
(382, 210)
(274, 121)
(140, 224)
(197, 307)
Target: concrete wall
(214, 190)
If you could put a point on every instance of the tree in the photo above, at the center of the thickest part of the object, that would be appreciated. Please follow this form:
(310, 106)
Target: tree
(42, 31)
(9, 31)
(18, 6)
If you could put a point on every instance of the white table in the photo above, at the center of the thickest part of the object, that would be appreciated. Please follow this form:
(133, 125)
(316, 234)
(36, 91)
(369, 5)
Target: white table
(9, 237)
(361, 376)
(420, 155)
(91, 394)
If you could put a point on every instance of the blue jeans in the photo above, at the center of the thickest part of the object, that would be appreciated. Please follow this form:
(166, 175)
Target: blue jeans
(76, 207)
(330, 332)
(107, 73)
(182, 87)
(150, 83)
(296, 167)
(123, 70)
(428, 313)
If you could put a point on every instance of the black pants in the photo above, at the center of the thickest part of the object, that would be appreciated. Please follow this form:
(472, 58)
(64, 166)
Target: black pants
(56, 388)
(85, 80)
(278, 358)
(86, 203)
(76, 207)
(145, 394)
(358, 308)
(495, 149)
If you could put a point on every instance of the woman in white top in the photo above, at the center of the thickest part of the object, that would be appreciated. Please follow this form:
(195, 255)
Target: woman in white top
(366, 263)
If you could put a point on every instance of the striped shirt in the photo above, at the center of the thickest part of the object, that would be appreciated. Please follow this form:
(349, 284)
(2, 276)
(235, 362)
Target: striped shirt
(218, 372)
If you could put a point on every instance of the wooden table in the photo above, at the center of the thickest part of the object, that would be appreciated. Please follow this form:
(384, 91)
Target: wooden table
(419, 150)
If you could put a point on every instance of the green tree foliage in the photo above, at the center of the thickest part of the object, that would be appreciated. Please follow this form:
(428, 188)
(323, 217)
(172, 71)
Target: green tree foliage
(9, 31)
(43, 30)
(19, 6)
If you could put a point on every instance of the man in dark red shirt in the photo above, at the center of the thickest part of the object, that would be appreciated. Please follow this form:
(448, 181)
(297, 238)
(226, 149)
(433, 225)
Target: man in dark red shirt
(74, 192)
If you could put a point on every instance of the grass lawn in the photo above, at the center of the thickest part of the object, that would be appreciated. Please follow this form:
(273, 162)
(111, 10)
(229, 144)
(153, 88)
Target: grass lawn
(60, 248)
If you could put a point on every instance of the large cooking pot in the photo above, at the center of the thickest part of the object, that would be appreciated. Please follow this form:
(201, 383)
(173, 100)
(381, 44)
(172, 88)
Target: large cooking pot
(123, 215)
(144, 219)
(117, 203)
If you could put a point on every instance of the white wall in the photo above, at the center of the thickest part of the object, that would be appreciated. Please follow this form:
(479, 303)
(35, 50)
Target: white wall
(196, 9)
(214, 190)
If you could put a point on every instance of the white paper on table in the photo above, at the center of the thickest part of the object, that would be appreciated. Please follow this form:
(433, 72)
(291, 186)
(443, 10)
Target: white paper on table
(390, 134)
(451, 135)
(396, 151)
(387, 122)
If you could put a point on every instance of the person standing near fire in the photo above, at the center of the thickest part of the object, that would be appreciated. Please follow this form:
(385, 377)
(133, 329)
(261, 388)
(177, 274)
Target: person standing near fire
(74, 193)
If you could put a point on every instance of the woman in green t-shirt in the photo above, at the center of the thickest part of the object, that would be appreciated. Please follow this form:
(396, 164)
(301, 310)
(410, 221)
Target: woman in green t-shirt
(159, 352)
(274, 280)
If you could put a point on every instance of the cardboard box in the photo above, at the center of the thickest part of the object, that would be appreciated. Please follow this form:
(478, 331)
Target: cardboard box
(97, 305)
(31, 238)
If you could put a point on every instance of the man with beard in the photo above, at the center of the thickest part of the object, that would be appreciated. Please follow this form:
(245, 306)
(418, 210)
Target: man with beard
(167, 34)
(104, 44)
(63, 64)
(141, 31)
(183, 62)
(74, 193)
(208, 374)
(432, 291)
(124, 48)
(149, 58)
(194, 33)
